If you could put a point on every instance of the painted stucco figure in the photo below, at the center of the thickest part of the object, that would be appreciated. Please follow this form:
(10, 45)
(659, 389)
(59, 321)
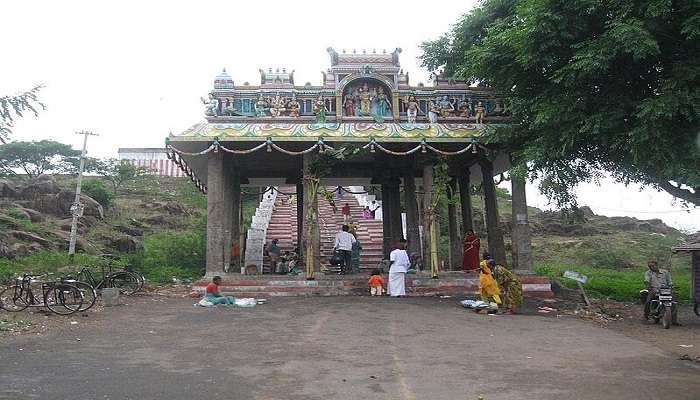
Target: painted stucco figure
(411, 109)
(211, 106)
(320, 110)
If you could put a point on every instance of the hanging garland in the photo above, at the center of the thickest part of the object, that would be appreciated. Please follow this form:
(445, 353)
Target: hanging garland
(175, 154)
(321, 146)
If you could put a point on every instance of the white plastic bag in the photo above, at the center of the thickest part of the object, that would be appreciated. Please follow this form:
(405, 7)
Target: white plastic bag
(247, 302)
(205, 303)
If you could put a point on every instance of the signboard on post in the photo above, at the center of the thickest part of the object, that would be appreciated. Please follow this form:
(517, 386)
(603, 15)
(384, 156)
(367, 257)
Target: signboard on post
(580, 280)
(575, 276)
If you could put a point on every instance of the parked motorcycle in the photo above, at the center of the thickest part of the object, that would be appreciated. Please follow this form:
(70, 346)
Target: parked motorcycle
(661, 307)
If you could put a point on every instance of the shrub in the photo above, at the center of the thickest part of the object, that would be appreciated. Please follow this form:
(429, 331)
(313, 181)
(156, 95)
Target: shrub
(179, 254)
(98, 191)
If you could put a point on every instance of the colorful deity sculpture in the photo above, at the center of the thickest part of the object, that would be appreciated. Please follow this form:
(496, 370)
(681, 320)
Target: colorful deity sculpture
(411, 108)
(463, 108)
(277, 106)
(211, 107)
(382, 105)
(262, 106)
(480, 113)
(446, 107)
(293, 106)
(349, 106)
(320, 110)
(365, 101)
(433, 112)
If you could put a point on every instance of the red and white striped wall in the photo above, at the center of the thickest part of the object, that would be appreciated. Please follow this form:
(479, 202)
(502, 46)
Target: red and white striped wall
(153, 159)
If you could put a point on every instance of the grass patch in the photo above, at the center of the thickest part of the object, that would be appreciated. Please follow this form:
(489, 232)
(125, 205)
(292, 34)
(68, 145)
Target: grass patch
(42, 262)
(614, 283)
(173, 254)
(14, 325)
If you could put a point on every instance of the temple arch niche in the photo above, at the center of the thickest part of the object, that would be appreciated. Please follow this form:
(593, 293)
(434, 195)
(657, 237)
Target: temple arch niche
(362, 95)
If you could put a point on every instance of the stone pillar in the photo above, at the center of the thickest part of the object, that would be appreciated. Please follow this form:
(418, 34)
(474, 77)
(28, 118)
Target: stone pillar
(395, 210)
(409, 196)
(465, 201)
(227, 186)
(216, 212)
(427, 199)
(453, 229)
(236, 219)
(386, 219)
(497, 247)
(520, 236)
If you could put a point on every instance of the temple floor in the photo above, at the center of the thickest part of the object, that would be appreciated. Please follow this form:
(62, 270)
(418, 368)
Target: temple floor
(335, 348)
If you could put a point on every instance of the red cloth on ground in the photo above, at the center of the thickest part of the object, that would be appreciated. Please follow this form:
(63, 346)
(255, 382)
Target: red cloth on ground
(212, 288)
(470, 260)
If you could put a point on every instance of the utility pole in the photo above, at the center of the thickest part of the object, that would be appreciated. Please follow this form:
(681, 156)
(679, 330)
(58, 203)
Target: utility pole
(77, 207)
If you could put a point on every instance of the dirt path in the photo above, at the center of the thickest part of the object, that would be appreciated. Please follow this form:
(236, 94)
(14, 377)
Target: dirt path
(337, 348)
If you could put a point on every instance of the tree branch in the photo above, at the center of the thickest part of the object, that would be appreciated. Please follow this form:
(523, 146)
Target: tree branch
(683, 194)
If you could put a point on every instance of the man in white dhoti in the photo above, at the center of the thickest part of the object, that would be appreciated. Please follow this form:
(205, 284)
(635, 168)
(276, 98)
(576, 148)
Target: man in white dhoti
(397, 272)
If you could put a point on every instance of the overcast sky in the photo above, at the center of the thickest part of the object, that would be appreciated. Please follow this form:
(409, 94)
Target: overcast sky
(132, 71)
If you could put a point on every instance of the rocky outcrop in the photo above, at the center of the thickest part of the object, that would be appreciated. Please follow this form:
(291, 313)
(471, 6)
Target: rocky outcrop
(43, 196)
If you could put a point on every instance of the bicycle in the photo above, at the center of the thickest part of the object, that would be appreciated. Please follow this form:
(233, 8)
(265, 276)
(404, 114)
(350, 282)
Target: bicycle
(111, 258)
(126, 282)
(61, 298)
(88, 291)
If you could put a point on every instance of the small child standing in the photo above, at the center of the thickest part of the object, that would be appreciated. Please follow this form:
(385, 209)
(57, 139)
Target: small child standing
(375, 283)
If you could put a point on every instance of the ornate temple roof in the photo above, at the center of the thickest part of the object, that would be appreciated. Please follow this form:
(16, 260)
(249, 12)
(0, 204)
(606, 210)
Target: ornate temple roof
(346, 132)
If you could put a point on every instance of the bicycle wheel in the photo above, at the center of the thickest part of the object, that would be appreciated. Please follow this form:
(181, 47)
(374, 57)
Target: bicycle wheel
(89, 294)
(126, 282)
(63, 299)
(12, 300)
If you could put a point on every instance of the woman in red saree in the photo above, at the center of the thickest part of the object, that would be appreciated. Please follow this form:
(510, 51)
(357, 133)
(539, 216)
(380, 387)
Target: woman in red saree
(471, 244)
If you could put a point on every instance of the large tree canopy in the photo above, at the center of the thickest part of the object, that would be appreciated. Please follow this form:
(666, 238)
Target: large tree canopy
(36, 158)
(593, 85)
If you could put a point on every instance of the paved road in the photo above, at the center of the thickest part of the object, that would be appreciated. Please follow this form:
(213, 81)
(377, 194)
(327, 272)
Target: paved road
(336, 348)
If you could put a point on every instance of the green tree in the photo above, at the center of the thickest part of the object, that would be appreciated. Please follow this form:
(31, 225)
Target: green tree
(592, 86)
(12, 107)
(117, 172)
(36, 158)
(97, 191)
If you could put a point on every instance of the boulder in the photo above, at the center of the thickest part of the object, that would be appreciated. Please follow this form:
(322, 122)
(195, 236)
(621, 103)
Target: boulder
(65, 198)
(80, 243)
(40, 185)
(8, 222)
(170, 207)
(29, 237)
(65, 225)
(34, 215)
(125, 244)
(129, 230)
(18, 250)
(162, 220)
(7, 189)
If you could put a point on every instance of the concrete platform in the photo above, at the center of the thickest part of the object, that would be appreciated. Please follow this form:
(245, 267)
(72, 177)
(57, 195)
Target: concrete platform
(449, 283)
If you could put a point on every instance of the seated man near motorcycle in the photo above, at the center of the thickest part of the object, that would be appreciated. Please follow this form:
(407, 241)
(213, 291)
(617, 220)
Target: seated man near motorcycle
(655, 279)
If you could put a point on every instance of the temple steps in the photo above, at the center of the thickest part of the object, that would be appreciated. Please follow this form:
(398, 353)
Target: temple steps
(450, 283)
(283, 226)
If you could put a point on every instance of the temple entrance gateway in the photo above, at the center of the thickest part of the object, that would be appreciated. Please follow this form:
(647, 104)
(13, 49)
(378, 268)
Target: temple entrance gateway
(387, 145)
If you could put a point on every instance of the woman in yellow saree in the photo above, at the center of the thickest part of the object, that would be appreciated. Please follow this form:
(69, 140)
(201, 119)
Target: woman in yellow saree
(487, 284)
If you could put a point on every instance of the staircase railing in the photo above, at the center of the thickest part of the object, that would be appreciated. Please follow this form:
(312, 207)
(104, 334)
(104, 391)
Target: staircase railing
(366, 199)
(255, 240)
